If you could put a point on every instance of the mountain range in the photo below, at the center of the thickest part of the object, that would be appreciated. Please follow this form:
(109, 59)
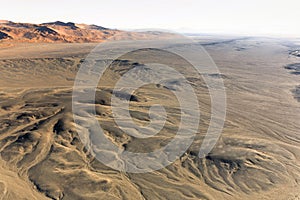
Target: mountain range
(53, 32)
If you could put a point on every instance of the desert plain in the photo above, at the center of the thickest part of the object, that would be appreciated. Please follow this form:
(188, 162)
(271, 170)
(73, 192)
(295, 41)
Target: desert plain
(256, 157)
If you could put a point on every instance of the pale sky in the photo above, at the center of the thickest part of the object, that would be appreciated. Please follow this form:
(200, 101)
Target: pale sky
(262, 17)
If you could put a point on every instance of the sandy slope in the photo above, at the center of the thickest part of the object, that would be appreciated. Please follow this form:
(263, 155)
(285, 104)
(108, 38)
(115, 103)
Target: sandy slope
(257, 156)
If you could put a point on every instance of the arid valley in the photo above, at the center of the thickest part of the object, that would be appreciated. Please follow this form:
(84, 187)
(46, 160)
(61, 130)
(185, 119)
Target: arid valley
(42, 156)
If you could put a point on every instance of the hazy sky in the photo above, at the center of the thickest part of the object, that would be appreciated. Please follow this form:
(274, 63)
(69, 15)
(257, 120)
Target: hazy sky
(279, 17)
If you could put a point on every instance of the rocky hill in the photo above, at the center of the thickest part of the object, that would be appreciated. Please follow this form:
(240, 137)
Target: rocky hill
(53, 32)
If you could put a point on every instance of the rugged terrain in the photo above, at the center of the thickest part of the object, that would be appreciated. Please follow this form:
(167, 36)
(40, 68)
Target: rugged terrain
(53, 32)
(42, 157)
(61, 32)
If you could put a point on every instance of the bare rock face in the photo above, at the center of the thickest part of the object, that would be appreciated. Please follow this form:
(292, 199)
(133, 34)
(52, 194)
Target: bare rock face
(294, 68)
(4, 35)
(295, 53)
